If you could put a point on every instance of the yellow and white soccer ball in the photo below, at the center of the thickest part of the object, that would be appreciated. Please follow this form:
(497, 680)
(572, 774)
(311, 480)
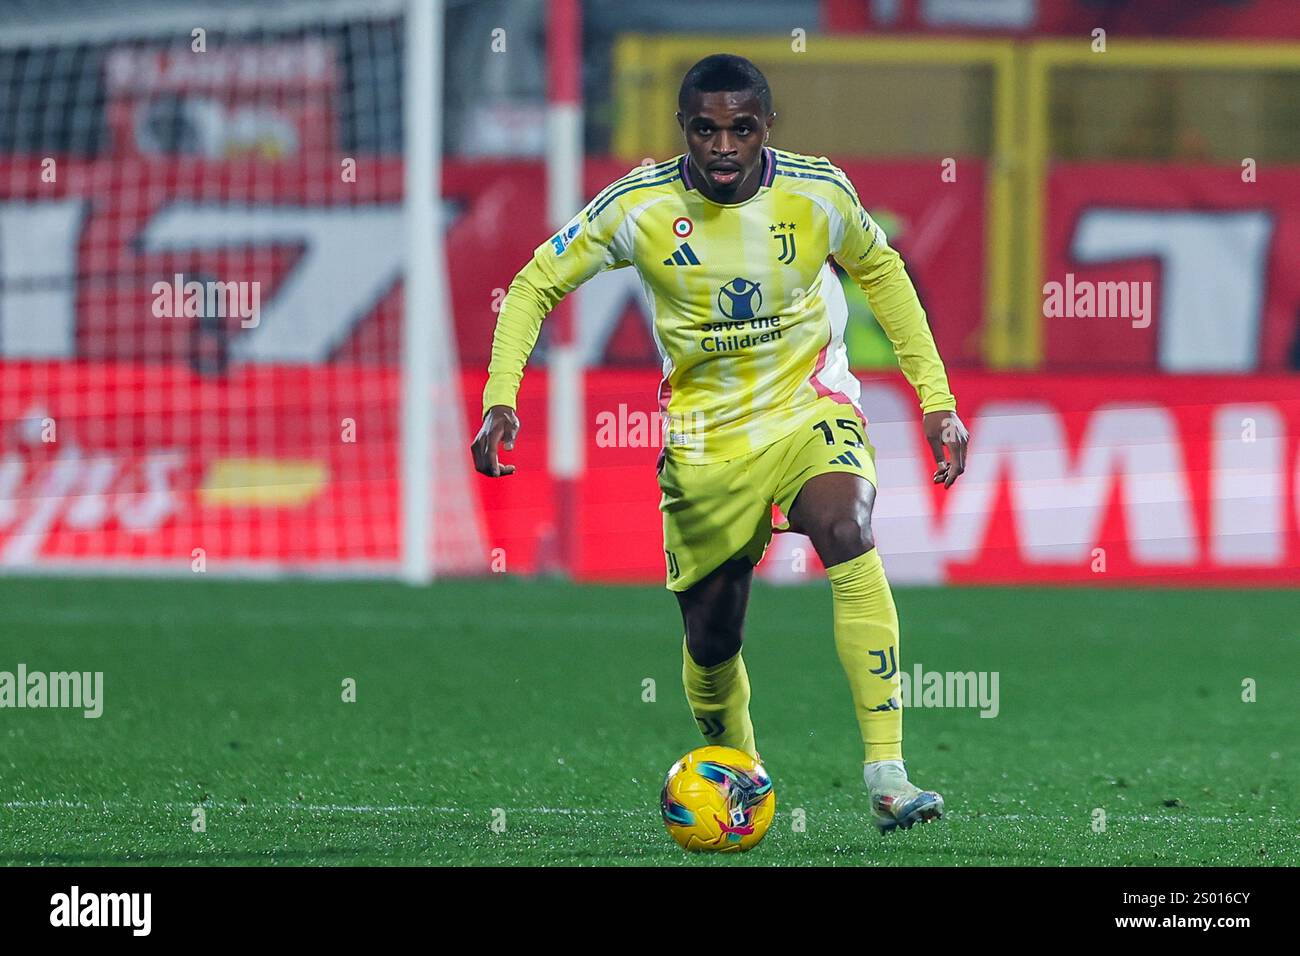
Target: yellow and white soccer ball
(717, 799)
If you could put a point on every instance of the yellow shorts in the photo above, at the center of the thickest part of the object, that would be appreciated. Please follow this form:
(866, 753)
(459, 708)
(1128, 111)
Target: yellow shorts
(723, 510)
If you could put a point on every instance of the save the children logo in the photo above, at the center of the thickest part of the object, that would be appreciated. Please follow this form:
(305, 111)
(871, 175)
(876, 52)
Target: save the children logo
(740, 299)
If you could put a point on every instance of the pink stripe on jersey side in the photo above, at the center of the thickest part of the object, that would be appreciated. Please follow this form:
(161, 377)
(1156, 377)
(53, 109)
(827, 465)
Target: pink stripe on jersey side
(825, 391)
(665, 393)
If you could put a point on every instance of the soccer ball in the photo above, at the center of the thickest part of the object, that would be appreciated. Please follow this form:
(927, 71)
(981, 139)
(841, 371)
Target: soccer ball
(717, 799)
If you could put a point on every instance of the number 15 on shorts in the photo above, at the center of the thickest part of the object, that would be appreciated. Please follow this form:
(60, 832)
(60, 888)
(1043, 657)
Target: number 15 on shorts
(846, 424)
(850, 433)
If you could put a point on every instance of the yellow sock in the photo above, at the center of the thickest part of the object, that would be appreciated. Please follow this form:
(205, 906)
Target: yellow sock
(866, 636)
(719, 699)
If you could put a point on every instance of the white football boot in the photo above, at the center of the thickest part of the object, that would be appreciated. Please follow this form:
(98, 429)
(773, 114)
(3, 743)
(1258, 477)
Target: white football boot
(895, 800)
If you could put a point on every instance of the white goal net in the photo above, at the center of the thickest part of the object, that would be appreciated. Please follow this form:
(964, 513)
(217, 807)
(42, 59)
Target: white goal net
(205, 225)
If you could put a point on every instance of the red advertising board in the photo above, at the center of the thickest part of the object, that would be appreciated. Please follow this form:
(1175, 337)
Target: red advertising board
(325, 252)
(1207, 19)
(1214, 246)
(114, 465)
(272, 99)
(1097, 479)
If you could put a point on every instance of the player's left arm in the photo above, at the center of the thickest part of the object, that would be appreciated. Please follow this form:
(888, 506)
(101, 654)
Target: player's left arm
(862, 248)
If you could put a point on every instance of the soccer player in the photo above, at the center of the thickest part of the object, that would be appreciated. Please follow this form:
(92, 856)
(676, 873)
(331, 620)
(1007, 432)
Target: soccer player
(731, 241)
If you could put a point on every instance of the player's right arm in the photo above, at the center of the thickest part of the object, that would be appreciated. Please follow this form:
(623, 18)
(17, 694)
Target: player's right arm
(584, 247)
(864, 252)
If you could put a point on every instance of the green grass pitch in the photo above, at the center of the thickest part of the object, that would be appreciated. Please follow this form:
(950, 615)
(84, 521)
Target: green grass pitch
(528, 696)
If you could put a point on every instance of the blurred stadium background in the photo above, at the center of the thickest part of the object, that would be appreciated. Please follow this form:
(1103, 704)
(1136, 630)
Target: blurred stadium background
(304, 155)
(1004, 145)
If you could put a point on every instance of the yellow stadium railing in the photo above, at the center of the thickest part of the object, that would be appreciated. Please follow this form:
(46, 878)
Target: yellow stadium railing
(648, 70)
(1042, 57)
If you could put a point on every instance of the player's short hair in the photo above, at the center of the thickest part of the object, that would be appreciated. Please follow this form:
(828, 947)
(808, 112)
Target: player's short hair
(724, 72)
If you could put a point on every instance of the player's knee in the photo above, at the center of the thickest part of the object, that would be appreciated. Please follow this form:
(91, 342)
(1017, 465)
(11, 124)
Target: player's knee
(713, 612)
(712, 639)
(846, 538)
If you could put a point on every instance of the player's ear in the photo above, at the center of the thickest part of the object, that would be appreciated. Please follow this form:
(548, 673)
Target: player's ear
(771, 118)
(681, 123)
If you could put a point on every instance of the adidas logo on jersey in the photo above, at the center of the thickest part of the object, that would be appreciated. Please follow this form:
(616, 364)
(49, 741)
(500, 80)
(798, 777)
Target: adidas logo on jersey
(684, 256)
(848, 458)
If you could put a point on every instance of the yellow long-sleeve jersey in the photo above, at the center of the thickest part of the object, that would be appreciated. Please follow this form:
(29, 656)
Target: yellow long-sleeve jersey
(748, 315)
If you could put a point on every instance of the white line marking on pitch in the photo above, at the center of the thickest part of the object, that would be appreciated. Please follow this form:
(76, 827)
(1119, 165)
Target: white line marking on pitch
(312, 807)
(565, 811)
